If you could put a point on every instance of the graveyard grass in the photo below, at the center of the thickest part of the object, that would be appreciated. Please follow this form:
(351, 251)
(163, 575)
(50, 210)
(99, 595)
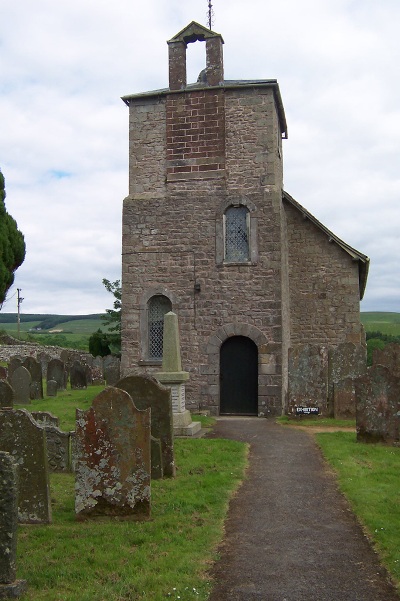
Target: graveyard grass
(368, 475)
(167, 557)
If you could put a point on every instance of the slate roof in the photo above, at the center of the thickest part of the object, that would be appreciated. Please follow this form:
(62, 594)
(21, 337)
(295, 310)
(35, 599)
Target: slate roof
(363, 260)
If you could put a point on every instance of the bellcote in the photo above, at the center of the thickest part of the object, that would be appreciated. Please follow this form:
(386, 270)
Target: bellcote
(213, 74)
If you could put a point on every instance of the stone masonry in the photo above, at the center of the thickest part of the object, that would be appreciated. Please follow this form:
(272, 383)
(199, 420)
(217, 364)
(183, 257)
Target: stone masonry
(194, 152)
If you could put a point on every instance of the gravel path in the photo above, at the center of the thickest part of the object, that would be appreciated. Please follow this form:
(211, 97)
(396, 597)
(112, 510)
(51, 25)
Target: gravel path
(290, 535)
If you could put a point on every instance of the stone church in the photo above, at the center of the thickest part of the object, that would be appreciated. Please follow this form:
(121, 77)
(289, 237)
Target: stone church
(209, 233)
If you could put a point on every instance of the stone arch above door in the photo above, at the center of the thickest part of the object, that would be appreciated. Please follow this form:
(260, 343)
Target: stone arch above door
(267, 365)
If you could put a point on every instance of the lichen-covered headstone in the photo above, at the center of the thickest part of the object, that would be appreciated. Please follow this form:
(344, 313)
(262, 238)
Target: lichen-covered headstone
(56, 371)
(35, 369)
(45, 418)
(58, 449)
(44, 359)
(21, 383)
(308, 377)
(6, 394)
(78, 376)
(25, 440)
(344, 399)
(112, 463)
(378, 406)
(147, 392)
(346, 360)
(9, 586)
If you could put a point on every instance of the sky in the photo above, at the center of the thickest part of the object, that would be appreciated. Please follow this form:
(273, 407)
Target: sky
(64, 130)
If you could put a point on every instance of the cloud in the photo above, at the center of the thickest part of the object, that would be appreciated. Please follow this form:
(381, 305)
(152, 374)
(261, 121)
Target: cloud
(64, 140)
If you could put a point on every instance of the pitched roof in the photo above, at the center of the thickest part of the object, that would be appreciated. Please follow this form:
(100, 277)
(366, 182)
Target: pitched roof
(194, 32)
(363, 260)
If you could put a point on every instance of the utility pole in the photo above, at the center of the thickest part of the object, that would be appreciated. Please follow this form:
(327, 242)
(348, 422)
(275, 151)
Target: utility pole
(19, 301)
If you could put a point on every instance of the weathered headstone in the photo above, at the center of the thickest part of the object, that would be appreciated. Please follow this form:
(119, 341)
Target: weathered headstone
(13, 364)
(308, 377)
(3, 373)
(35, 369)
(10, 588)
(56, 371)
(45, 418)
(44, 359)
(58, 449)
(378, 406)
(346, 360)
(157, 471)
(78, 378)
(344, 399)
(146, 392)
(6, 394)
(389, 357)
(21, 383)
(112, 370)
(25, 440)
(113, 458)
(51, 388)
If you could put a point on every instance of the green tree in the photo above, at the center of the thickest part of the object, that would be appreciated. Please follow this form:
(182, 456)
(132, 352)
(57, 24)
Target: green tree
(12, 246)
(98, 344)
(112, 319)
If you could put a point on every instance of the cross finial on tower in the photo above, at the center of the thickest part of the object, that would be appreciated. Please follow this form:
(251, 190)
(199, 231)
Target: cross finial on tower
(210, 15)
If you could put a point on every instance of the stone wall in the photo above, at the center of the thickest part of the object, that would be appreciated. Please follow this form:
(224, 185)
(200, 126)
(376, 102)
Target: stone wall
(324, 286)
(170, 235)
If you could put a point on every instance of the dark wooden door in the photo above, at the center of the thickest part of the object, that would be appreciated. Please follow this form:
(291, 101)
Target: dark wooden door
(239, 376)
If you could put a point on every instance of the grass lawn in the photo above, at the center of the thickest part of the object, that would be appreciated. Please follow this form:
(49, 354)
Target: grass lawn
(167, 557)
(368, 475)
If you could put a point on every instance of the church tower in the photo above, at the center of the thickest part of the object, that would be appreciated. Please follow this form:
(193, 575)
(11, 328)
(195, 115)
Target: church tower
(203, 233)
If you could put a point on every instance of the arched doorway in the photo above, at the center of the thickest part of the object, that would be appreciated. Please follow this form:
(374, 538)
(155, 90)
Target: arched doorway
(239, 376)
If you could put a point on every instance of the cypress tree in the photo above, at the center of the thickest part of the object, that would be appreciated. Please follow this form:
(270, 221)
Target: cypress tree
(12, 245)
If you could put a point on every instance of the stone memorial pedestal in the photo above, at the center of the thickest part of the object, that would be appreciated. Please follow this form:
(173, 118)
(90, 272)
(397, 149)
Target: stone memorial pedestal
(174, 377)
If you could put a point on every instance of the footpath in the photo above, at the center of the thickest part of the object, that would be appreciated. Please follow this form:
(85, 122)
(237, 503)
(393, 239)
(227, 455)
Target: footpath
(290, 534)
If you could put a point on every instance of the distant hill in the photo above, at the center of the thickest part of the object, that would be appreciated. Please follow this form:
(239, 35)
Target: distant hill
(386, 323)
(71, 331)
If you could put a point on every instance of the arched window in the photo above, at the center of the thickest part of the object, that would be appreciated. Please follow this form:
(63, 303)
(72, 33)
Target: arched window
(157, 307)
(236, 238)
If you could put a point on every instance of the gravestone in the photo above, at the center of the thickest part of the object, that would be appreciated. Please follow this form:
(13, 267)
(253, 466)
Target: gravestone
(9, 587)
(13, 364)
(378, 406)
(308, 377)
(346, 360)
(344, 399)
(45, 418)
(6, 394)
(97, 371)
(58, 449)
(78, 376)
(35, 369)
(51, 388)
(25, 440)
(157, 471)
(112, 370)
(146, 393)
(112, 458)
(3, 373)
(44, 359)
(389, 357)
(21, 384)
(56, 371)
